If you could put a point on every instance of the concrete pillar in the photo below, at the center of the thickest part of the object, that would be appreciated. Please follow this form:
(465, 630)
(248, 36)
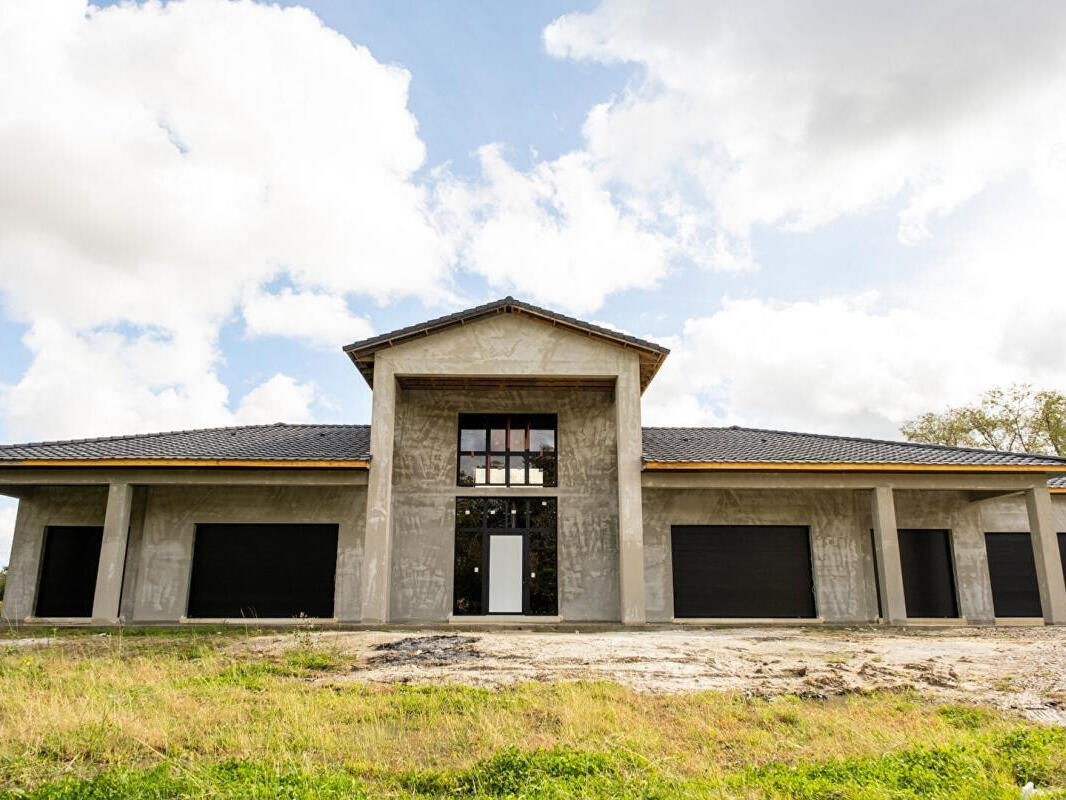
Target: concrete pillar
(24, 566)
(127, 607)
(347, 599)
(113, 553)
(630, 508)
(377, 549)
(974, 585)
(886, 551)
(1046, 554)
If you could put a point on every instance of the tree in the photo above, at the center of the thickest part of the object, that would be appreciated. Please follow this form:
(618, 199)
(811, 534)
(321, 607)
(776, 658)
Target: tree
(1006, 418)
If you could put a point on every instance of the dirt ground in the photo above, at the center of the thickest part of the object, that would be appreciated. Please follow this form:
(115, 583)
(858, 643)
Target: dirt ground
(1020, 669)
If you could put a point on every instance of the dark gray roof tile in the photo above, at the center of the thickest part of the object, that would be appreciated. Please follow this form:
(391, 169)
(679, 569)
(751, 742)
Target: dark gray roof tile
(279, 442)
(753, 445)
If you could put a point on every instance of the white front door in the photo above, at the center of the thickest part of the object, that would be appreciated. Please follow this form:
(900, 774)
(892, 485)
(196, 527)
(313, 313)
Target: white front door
(505, 574)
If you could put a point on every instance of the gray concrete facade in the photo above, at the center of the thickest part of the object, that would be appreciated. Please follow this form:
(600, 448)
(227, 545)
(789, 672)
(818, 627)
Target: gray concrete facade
(396, 520)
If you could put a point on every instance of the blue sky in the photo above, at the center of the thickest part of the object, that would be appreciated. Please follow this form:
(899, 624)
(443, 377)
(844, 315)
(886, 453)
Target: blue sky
(836, 218)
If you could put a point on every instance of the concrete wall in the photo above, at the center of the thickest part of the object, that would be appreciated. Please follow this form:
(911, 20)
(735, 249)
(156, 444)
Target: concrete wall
(840, 523)
(172, 513)
(162, 526)
(39, 508)
(840, 544)
(424, 492)
(417, 543)
(1008, 514)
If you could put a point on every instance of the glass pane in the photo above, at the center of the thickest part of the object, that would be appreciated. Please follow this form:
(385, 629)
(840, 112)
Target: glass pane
(543, 513)
(496, 513)
(536, 473)
(543, 574)
(471, 440)
(469, 512)
(541, 440)
(516, 467)
(545, 466)
(498, 438)
(471, 468)
(468, 573)
(497, 470)
(518, 435)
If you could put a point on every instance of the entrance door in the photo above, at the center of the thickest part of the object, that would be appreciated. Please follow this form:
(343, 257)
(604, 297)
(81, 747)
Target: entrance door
(505, 573)
(505, 556)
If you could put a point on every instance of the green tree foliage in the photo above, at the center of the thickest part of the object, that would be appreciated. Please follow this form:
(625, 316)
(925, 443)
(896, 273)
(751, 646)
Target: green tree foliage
(1006, 418)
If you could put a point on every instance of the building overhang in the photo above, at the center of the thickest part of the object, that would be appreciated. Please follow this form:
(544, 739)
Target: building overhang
(105, 463)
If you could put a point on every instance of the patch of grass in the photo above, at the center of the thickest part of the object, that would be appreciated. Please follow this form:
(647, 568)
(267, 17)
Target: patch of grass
(204, 715)
(966, 717)
(983, 769)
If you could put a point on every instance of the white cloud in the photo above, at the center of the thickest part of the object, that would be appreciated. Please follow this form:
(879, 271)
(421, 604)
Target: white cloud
(553, 234)
(986, 314)
(321, 320)
(793, 114)
(160, 161)
(279, 399)
(8, 508)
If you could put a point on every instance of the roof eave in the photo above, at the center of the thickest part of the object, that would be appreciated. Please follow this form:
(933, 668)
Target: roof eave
(793, 466)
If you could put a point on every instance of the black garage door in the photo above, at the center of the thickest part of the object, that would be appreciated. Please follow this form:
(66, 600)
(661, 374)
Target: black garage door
(742, 571)
(68, 571)
(264, 571)
(928, 576)
(1015, 592)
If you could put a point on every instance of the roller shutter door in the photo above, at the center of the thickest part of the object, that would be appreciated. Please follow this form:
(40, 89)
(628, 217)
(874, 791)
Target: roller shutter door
(263, 571)
(1015, 592)
(68, 571)
(928, 574)
(742, 571)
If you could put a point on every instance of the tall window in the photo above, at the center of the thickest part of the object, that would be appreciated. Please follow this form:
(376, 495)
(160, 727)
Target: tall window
(507, 450)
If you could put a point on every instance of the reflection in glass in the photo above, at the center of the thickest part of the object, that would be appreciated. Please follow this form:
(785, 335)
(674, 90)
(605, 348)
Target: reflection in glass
(516, 467)
(497, 470)
(518, 439)
(499, 439)
(471, 440)
(541, 440)
(469, 469)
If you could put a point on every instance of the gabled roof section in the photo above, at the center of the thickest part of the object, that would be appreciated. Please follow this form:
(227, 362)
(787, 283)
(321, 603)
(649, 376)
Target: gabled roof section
(251, 445)
(362, 353)
(1058, 485)
(754, 448)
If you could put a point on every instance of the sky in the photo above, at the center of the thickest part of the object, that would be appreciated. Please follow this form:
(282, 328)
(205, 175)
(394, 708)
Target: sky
(837, 216)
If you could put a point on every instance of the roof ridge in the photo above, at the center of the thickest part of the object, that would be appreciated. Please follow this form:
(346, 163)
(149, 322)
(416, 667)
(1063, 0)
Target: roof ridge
(504, 302)
(129, 436)
(868, 440)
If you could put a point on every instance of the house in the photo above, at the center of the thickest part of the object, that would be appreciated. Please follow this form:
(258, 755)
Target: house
(506, 477)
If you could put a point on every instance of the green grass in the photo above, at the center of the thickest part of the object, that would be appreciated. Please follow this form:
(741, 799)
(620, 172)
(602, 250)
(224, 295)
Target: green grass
(204, 715)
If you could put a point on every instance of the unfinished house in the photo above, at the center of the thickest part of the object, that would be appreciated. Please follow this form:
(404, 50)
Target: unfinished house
(505, 477)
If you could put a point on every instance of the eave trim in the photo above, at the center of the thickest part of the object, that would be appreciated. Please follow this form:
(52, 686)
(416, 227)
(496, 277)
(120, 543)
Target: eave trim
(791, 466)
(186, 462)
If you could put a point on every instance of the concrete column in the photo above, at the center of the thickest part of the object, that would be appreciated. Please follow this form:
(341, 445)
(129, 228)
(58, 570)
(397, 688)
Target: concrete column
(971, 564)
(347, 599)
(630, 508)
(24, 566)
(377, 549)
(113, 553)
(1046, 554)
(886, 551)
(127, 608)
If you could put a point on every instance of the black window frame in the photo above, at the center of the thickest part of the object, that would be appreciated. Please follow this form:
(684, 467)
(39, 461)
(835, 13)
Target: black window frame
(517, 515)
(489, 422)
